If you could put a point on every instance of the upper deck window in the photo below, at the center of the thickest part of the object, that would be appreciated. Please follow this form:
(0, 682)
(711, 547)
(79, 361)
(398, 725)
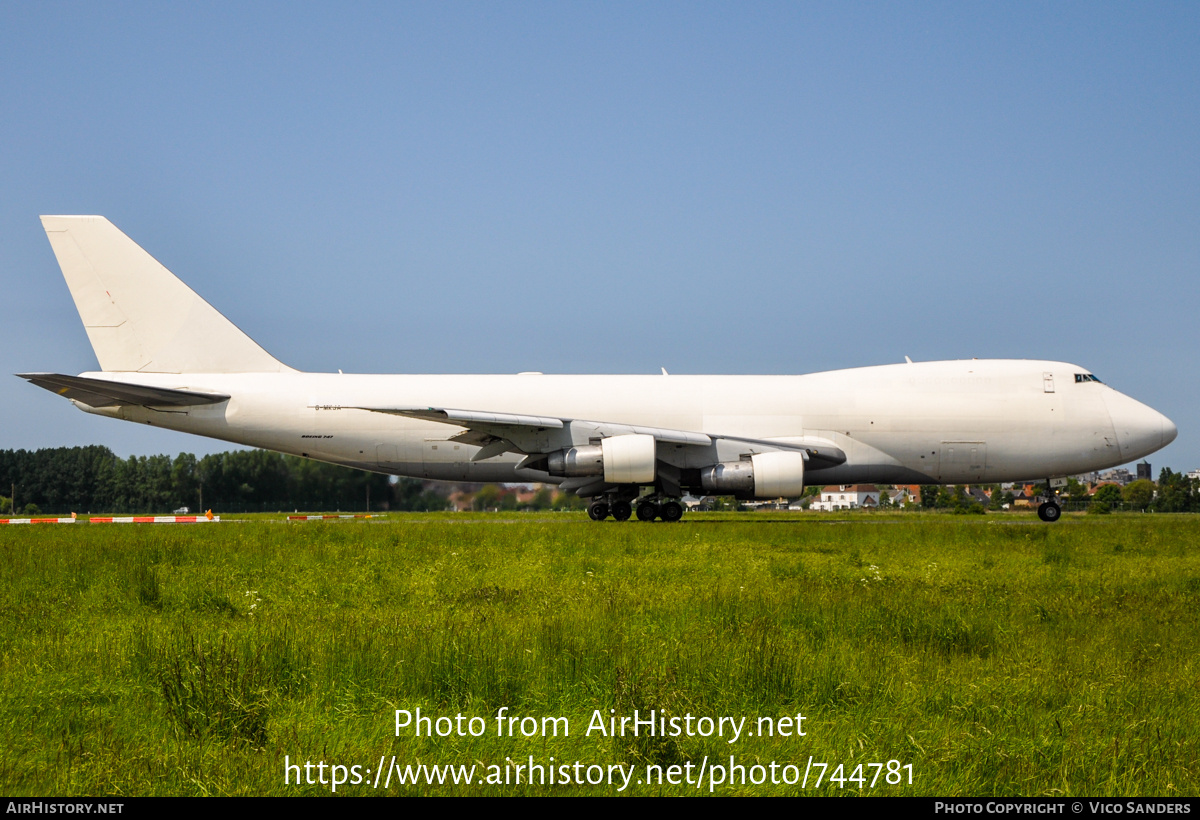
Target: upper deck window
(1086, 377)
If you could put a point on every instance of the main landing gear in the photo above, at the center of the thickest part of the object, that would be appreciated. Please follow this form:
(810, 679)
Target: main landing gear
(669, 511)
(648, 509)
(619, 510)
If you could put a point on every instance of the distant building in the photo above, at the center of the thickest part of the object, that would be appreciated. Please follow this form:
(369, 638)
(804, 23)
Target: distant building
(1143, 470)
(1118, 476)
(1194, 474)
(1026, 496)
(905, 494)
(978, 495)
(847, 497)
(777, 504)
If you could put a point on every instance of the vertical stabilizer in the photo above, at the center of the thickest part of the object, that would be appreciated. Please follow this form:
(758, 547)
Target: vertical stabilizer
(139, 316)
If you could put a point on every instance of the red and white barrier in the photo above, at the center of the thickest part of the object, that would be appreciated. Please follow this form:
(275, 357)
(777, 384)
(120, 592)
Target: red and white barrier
(70, 520)
(155, 519)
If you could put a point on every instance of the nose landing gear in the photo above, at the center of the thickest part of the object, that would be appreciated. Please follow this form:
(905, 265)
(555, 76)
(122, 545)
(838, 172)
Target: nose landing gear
(1049, 510)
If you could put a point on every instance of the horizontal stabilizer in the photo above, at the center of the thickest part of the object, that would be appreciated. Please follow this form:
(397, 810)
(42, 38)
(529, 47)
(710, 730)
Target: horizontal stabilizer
(103, 393)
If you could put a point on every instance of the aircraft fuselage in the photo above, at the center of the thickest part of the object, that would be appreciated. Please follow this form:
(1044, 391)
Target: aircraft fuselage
(970, 421)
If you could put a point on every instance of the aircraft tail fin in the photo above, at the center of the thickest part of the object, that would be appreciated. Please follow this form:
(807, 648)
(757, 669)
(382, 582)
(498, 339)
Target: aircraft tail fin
(139, 316)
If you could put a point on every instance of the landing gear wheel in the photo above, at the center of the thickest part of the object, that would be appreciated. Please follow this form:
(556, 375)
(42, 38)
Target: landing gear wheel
(621, 510)
(671, 511)
(647, 511)
(1049, 511)
(597, 511)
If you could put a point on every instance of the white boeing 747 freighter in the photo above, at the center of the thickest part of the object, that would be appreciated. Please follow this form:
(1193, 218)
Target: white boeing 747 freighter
(169, 359)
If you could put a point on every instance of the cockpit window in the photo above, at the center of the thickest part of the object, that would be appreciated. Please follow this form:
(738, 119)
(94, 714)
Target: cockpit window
(1086, 377)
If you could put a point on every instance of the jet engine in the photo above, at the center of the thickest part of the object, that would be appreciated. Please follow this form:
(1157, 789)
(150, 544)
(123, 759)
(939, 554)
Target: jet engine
(764, 475)
(620, 459)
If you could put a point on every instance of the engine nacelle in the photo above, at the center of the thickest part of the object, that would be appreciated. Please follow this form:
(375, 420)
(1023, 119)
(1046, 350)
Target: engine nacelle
(735, 477)
(629, 459)
(576, 461)
(765, 475)
(620, 459)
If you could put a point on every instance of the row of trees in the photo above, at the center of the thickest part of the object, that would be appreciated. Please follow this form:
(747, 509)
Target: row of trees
(93, 479)
(1174, 492)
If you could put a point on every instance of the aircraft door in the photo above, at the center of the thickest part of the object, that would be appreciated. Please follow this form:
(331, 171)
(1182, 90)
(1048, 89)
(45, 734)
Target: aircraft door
(963, 461)
(399, 459)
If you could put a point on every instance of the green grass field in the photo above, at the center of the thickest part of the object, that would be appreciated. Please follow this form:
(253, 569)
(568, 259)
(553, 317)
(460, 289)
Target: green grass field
(986, 655)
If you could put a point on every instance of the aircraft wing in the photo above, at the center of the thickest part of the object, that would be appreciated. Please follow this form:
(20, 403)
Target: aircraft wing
(498, 433)
(105, 393)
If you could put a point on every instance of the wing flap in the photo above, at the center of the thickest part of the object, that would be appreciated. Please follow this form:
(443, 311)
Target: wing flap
(528, 434)
(468, 418)
(508, 425)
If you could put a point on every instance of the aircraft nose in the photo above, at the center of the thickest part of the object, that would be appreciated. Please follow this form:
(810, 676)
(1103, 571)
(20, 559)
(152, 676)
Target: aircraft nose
(1140, 429)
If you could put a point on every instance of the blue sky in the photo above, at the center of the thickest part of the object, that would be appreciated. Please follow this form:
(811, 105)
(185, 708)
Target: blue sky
(616, 187)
